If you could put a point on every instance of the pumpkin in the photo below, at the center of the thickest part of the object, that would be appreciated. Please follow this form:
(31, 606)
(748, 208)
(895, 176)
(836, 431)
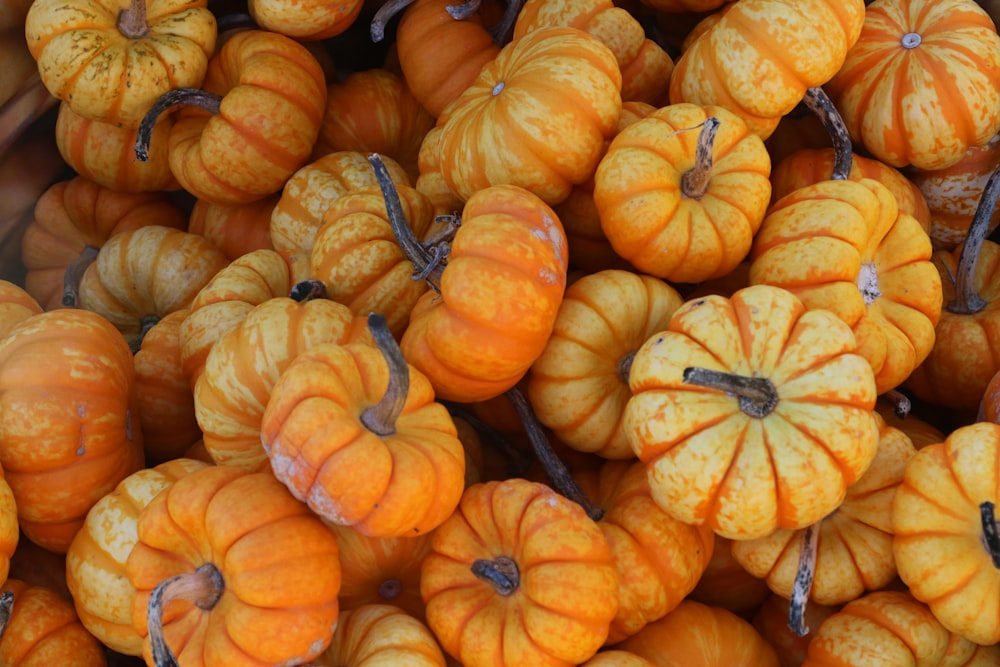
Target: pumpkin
(616, 658)
(578, 386)
(42, 629)
(844, 246)
(681, 193)
(235, 229)
(232, 392)
(305, 21)
(377, 633)
(230, 569)
(354, 432)
(726, 584)
(940, 58)
(69, 430)
(519, 575)
(508, 128)
(95, 560)
(16, 305)
(771, 621)
(76, 213)
(760, 56)
(721, 400)
(698, 634)
(111, 60)
(227, 149)
(939, 519)
(140, 276)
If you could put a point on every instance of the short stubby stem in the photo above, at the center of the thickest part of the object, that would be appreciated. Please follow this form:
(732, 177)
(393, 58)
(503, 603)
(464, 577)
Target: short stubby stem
(501, 573)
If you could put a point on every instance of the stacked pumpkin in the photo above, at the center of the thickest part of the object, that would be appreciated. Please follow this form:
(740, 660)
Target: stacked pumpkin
(522, 348)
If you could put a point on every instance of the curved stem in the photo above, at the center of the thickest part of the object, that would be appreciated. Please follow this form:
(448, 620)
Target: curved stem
(820, 104)
(501, 30)
(204, 587)
(901, 404)
(145, 324)
(132, 22)
(757, 396)
(556, 470)
(192, 96)
(991, 539)
(518, 462)
(428, 262)
(385, 14)
(307, 290)
(803, 580)
(967, 300)
(501, 573)
(463, 10)
(74, 274)
(381, 417)
(694, 182)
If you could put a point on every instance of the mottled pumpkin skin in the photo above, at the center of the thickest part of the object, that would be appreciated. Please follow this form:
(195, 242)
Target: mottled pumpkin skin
(16, 305)
(381, 634)
(568, 592)
(938, 531)
(709, 461)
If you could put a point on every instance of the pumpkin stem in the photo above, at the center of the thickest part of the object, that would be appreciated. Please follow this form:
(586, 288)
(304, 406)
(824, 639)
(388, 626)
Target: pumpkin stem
(820, 104)
(203, 587)
(500, 31)
(967, 300)
(132, 21)
(428, 263)
(145, 324)
(556, 470)
(757, 396)
(307, 290)
(385, 14)
(501, 573)
(901, 405)
(625, 366)
(991, 538)
(694, 182)
(74, 274)
(6, 609)
(381, 417)
(518, 463)
(202, 99)
(803, 581)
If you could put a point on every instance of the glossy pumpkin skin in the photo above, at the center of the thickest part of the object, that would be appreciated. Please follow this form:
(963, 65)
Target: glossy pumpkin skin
(44, 630)
(242, 367)
(938, 531)
(939, 57)
(500, 293)
(578, 386)
(88, 60)
(95, 561)
(845, 246)
(760, 57)
(509, 128)
(277, 559)
(239, 154)
(854, 551)
(745, 476)
(381, 634)
(151, 271)
(78, 212)
(567, 594)
(68, 420)
(698, 634)
(647, 213)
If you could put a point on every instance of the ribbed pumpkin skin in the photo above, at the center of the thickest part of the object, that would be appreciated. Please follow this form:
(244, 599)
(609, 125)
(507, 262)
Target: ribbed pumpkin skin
(16, 305)
(378, 634)
(68, 426)
(277, 559)
(95, 561)
(925, 105)
(537, 116)
(235, 229)
(938, 530)
(762, 55)
(500, 293)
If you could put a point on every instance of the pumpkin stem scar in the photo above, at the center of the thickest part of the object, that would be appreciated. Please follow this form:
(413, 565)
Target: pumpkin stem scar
(901, 405)
(383, 16)
(694, 182)
(74, 274)
(991, 538)
(967, 300)
(501, 573)
(132, 21)
(202, 99)
(868, 282)
(307, 290)
(817, 101)
(390, 589)
(381, 417)
(6, 609)
(203, 587)
(757, 396)
(910, 40)
(803, 580)
(556, 470)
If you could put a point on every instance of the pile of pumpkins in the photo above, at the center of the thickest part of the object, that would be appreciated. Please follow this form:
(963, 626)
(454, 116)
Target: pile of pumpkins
(547, 333)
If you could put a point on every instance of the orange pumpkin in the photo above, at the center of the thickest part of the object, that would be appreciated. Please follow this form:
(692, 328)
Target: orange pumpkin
(305, 21)
(42, 629)
(16, 305)
(377, 633)
(235, 229)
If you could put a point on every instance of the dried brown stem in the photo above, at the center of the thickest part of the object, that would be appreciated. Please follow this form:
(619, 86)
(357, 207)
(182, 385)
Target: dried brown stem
(820, 104)
(132, 22)
(991, 539)
(385, 14)
(381, 417)
(191, 96)
(74, 274)
(803, 581)
(203, 587)
(694, 182)
(501, 573)
(757, 396)
(967, 300)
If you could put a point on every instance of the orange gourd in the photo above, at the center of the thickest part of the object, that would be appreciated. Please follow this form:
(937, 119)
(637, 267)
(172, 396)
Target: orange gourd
(377, 633)
(43, 629)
